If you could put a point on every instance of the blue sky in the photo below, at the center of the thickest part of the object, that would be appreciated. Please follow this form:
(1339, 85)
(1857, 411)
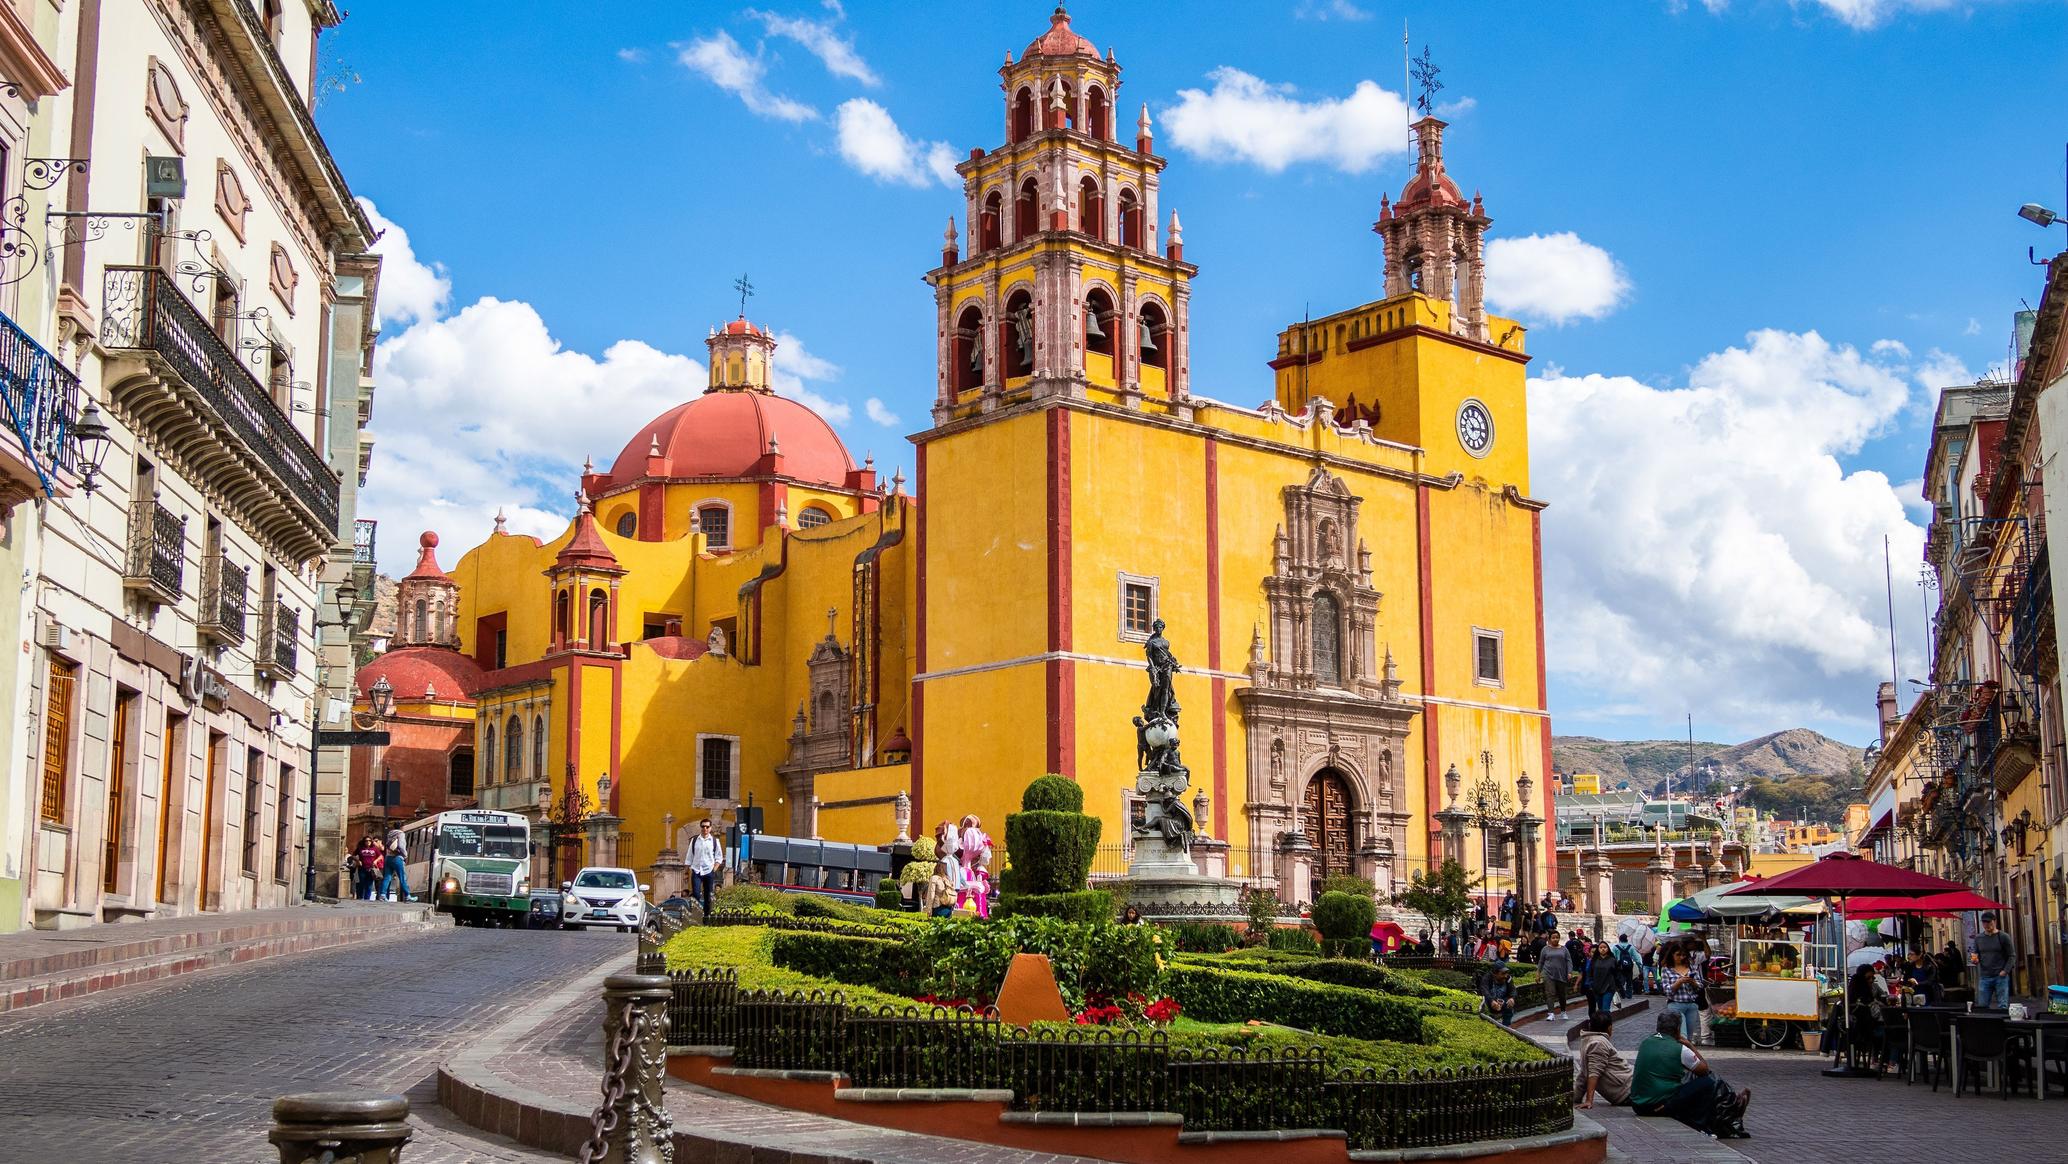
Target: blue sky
(1787, 221)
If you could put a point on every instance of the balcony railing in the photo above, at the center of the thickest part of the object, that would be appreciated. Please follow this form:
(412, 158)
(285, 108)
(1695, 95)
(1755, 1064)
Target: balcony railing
(362, 541)
(224, 593)
(40, 397)
(279, 648)
(157, 562)
(2032, 618)
(143, 310)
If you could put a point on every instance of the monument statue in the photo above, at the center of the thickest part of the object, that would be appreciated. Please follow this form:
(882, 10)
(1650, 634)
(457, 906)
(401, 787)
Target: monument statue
(1163, 776)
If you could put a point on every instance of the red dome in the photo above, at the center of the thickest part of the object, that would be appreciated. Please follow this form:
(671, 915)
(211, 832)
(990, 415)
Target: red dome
(453, 677)
(1059, 41)
(742, 327)
(726, 433)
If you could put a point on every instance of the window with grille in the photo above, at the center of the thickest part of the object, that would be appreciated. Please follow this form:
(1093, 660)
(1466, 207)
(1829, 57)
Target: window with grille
(714, 778)
(812, 515)
(1486, 653)
(1138, 607)
(57, 735)
(254, 794)
(283, 826)
(715, 522)
(1328, 638)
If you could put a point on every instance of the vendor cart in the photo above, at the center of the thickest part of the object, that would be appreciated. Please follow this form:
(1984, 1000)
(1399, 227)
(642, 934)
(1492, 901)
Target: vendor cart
(1777, 988)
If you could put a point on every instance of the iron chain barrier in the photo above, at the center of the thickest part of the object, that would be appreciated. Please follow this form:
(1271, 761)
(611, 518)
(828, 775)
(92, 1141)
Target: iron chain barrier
(630, 1126)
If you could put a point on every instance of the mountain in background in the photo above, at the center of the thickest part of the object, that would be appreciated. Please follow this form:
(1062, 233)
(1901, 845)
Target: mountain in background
(1797, 774)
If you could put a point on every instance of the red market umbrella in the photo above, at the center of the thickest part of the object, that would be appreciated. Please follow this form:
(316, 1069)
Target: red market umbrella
(1943, 904)
(1847, 876)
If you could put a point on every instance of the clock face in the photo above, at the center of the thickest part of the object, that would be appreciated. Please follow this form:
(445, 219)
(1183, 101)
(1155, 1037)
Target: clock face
(1475, 428)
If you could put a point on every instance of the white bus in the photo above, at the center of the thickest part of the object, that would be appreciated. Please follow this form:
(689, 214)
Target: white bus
(474, 863)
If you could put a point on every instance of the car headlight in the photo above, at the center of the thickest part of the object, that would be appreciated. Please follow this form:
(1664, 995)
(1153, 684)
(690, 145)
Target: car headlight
(448, 886)
(524, 889)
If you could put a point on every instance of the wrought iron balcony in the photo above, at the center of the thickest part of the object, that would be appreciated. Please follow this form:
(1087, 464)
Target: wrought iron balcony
(193, 375)
(2032, 617)
(40, 397)
(279, 646)
(362, 541)
(224, 591)
(157, 562)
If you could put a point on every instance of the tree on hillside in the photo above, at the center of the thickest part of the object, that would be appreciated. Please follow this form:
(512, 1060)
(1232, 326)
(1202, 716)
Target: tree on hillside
(1443, 896)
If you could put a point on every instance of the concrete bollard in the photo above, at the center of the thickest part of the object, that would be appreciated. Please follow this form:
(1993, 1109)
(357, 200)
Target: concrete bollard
(340, 1125)
(630, 1125)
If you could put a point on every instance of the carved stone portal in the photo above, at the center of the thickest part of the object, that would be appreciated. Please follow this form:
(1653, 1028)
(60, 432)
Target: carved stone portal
(1326, 726)
(821, 734)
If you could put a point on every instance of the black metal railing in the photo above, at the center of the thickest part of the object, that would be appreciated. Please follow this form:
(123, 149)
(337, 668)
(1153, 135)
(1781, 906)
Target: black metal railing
(225, 589)
(41, 399)
(282, 646)
(157, 550)
(2032, 617)
(362, 540)
(1097, 1069)
(142, 308)
(1989, 733)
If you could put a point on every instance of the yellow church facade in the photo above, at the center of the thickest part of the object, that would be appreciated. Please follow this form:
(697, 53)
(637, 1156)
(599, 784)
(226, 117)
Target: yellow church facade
(1350, 572)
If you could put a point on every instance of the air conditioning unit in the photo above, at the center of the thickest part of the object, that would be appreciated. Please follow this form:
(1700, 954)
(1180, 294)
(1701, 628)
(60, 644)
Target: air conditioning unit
(54, 635)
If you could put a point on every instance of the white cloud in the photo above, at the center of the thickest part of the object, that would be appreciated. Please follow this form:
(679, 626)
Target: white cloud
(1866, 14)
(632, 56)
(1458, 108)
(880, 412)
(823, 41)
(719, 59)
(1897, 348)
(1330, 10)
(1553, 278)
(1941, 370)
(1974, 327)
(409, 289)
(871, 142)
(1707, 548)
(1247, 119)
(794, 366)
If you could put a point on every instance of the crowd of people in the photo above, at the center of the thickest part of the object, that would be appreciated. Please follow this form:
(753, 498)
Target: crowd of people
(376, 865)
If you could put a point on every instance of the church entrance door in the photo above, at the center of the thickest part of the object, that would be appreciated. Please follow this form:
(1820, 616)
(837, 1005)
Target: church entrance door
(1326, 821)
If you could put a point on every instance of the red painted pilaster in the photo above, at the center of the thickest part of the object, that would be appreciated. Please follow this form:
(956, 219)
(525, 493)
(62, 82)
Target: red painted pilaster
(1061, 673)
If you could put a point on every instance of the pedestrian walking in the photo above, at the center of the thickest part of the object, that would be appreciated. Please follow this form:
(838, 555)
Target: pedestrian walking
(706, 857)
(1555, 967)
(1990, 954)
(1600, 980)
(1683, 989)
(369, 868)
(396, 878)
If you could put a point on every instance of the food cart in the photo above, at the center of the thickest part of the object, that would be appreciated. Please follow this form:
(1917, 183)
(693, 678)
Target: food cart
(1777, 987)
(1762, 972)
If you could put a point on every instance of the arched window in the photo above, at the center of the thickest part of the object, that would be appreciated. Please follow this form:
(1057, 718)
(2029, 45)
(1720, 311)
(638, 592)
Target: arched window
(1130, 220)
(991, 222)
(1016, 334)
(1091, 208)
(1023, 115)
(715, 523)
(513, 749)
(423, 622)
(1154, 337)
(628, 524)
(1099, 321)
(966, 350)
(538, 747)
(561, 616)
(488, 748)
(826, 712)
(1069, 106)
(1328, 638)
(812, 516)
(599, 620)
(1026, 212)
(1096, 115)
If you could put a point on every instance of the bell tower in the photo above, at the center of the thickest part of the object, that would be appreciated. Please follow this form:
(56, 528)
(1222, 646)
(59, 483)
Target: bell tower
(1063, 290)
(1435, 240)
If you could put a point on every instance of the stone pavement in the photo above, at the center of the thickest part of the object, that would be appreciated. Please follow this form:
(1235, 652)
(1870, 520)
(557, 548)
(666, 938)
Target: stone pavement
(188, 1069)
(1799, 1117)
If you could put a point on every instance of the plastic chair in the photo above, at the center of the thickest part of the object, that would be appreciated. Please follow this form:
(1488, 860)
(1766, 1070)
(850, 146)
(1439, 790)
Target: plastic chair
(1927, 1044)
(1986, 1040)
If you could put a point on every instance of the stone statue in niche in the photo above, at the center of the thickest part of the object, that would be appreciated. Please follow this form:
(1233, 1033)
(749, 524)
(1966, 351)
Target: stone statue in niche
(1278, 763)
(717, 641)
(1386, 768)
(1163, 777)
(1331, 545)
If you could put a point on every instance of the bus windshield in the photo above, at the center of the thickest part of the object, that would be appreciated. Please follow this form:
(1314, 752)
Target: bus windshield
(465, 840)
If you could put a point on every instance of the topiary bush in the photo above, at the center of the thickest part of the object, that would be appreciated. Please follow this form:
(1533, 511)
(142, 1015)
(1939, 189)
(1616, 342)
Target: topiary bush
(1345, 917)
(1052, 793)
(1084, 907)
(887, 896)
(877, 963)
(1051, 851)
(1214, 995)
(826, 907)
(1349, 883)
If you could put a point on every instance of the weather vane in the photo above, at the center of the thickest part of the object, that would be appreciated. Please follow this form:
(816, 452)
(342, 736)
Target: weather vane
(1425, 71)
(745, 287)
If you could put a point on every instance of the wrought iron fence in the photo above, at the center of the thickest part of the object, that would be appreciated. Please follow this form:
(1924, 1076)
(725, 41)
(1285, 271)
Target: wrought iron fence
(143, 309)
(1098, 1069)
(157, 550)
(41, 399)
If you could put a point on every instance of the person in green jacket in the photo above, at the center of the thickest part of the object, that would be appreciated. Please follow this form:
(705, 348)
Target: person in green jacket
(1672, 1079)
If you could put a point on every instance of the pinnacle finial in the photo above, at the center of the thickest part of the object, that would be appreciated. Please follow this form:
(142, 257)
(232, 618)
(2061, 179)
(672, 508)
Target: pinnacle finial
(588, 465)
(1177, 229)
(653, 447)
(897, 480)
(581, 501)
(1142, 122)
(949, 234)
(499, 521)
(1055, 93)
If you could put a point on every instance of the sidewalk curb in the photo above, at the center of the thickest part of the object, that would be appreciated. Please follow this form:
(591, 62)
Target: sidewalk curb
(470, 1087)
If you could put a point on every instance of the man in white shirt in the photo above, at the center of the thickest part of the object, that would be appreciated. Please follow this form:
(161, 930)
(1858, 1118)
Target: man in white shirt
(706, 857)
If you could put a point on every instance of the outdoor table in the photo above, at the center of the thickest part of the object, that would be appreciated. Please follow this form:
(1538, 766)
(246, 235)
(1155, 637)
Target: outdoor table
(2039, 1026)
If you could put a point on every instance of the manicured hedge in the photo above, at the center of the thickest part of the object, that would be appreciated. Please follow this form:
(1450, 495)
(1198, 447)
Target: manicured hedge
(877, 963)
(1050, 851)
(1086, 906)
(1214, 995)
(1293, 941)
(1348, 972)
(1204, 937)
(1052, 793)
(1345, 917)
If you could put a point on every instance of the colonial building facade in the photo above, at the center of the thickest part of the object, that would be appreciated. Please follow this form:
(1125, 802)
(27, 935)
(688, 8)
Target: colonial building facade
(208, 283)
(1349, 571)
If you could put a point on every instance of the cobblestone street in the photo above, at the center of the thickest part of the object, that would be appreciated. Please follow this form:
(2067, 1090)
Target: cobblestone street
(188, 1070)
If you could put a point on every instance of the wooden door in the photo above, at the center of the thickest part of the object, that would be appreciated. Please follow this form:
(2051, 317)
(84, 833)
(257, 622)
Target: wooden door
(172, 793)
(57, 737)
(1326, 821)
(118, 788)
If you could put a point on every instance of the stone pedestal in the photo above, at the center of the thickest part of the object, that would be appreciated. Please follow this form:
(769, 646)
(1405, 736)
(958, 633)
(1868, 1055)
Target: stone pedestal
(1210, 857)
(601, 832)
(1165, 882)
(1600, 875)
(1658, 883)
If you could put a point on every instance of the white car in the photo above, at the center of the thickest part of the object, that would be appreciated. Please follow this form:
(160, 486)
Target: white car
(603, 897)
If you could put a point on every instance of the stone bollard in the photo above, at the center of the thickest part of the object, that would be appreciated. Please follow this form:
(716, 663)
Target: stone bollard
(340, 1125)
(631, 1126)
